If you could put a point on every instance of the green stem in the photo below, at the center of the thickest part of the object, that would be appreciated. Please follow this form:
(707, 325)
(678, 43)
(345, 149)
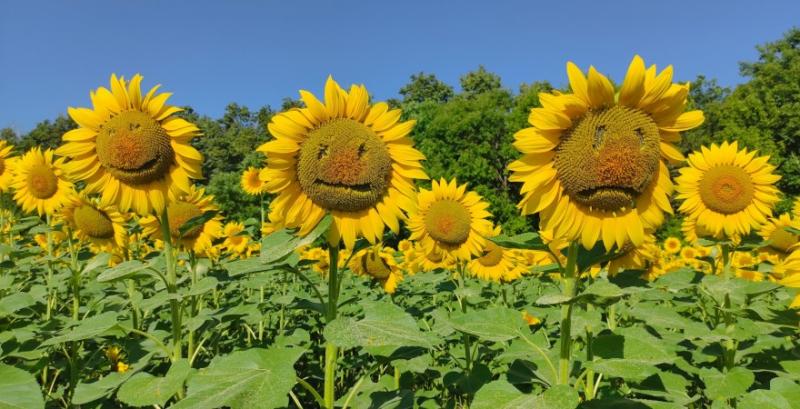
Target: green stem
(172, 286)
(464, 336)
(50, 292)
(76, 277)
(612, 317)
(729, 346)
(568, 289)
(589, 358)
(331, 351)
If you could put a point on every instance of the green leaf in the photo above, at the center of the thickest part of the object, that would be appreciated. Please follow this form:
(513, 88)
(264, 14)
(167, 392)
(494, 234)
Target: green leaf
(602, 289)
(787, 388)
(253, 378)
(764, 399)
(384, 324)
(525, 241)
(503, 395)
(635, 344)
(553, 299)
(628, 369)
(196, 222)
(15, 302)
(88, 328)
(126, 269)
(721, 386)
(144, 389)
(282, 242)
(19, 389)
(595, 256)
(493, 324)
(792, 230)
(100, 260)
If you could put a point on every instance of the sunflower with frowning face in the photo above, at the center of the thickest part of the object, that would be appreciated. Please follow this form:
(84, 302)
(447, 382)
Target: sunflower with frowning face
(592, 161)
(187, 207)
(102, 226)
(343, 156)
(131, 148)
(726, 190)
(39, 182)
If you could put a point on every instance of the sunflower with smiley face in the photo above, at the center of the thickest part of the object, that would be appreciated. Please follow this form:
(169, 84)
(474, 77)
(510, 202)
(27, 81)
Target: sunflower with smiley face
(131, 148)
(593, 160)
(344, 156)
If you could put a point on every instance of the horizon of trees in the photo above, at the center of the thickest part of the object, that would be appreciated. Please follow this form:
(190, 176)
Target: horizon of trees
(468, 133)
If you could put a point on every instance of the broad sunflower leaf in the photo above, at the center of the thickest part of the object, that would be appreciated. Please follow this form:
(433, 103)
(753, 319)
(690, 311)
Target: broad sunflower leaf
(503, 395)
(19, 389)
(144, 389)
(722, 386)
(384, 324)
(525, 241)
(493, 324)
(253, 378)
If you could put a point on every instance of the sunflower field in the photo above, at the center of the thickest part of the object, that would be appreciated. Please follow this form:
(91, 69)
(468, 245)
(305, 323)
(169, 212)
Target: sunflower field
(634, 260)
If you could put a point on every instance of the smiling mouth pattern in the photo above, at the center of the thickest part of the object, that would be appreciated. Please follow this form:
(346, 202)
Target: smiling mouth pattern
(361, 187)
(592, 191)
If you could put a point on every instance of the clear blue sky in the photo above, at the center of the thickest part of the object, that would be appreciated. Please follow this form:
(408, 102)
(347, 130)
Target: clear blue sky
(255, 53)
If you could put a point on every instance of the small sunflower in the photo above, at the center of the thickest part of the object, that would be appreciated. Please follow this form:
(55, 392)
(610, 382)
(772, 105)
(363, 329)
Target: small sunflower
(189, 205)
(6, 166)
(236, 239)
(636, 258)
(131, 148)
(789, 271)
(378, 263)
(251, 184)
(343, 156)
(103, 226)
(672, 245)
(449, 219)
(780, 239)
(726, 190)
(39, 182)
(592, 164)
(496, 263)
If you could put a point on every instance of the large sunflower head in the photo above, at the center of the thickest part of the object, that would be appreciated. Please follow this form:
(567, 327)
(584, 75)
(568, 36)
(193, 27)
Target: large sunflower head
(496, 263)
(102, 226)
(781, 240)
(449, 219)
(39, 182)
(131, 148)
(251, 183)
(379, 263)
(727, 190)
(343, 156)
(189, 205)
(6, 165)
(593, 160)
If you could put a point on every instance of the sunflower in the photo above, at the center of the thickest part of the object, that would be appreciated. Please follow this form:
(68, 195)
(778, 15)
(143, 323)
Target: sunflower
(251, 184)
(343, 156)
(39, 182)
(103, 226)
(496, 263)
(379, 263)
(789, 271)
(6, 166)
(188, 205)
(131, 148)
(592, 161)
(448, 219)
(780, 239)
(636, 258)
(672, 245)
(727, 190)
(236, 239)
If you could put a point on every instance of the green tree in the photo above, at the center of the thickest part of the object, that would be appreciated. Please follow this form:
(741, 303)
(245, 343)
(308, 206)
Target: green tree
(479, 81)
(426, 87)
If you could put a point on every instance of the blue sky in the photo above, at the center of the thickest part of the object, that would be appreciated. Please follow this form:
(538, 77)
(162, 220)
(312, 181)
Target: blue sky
(255, 53)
